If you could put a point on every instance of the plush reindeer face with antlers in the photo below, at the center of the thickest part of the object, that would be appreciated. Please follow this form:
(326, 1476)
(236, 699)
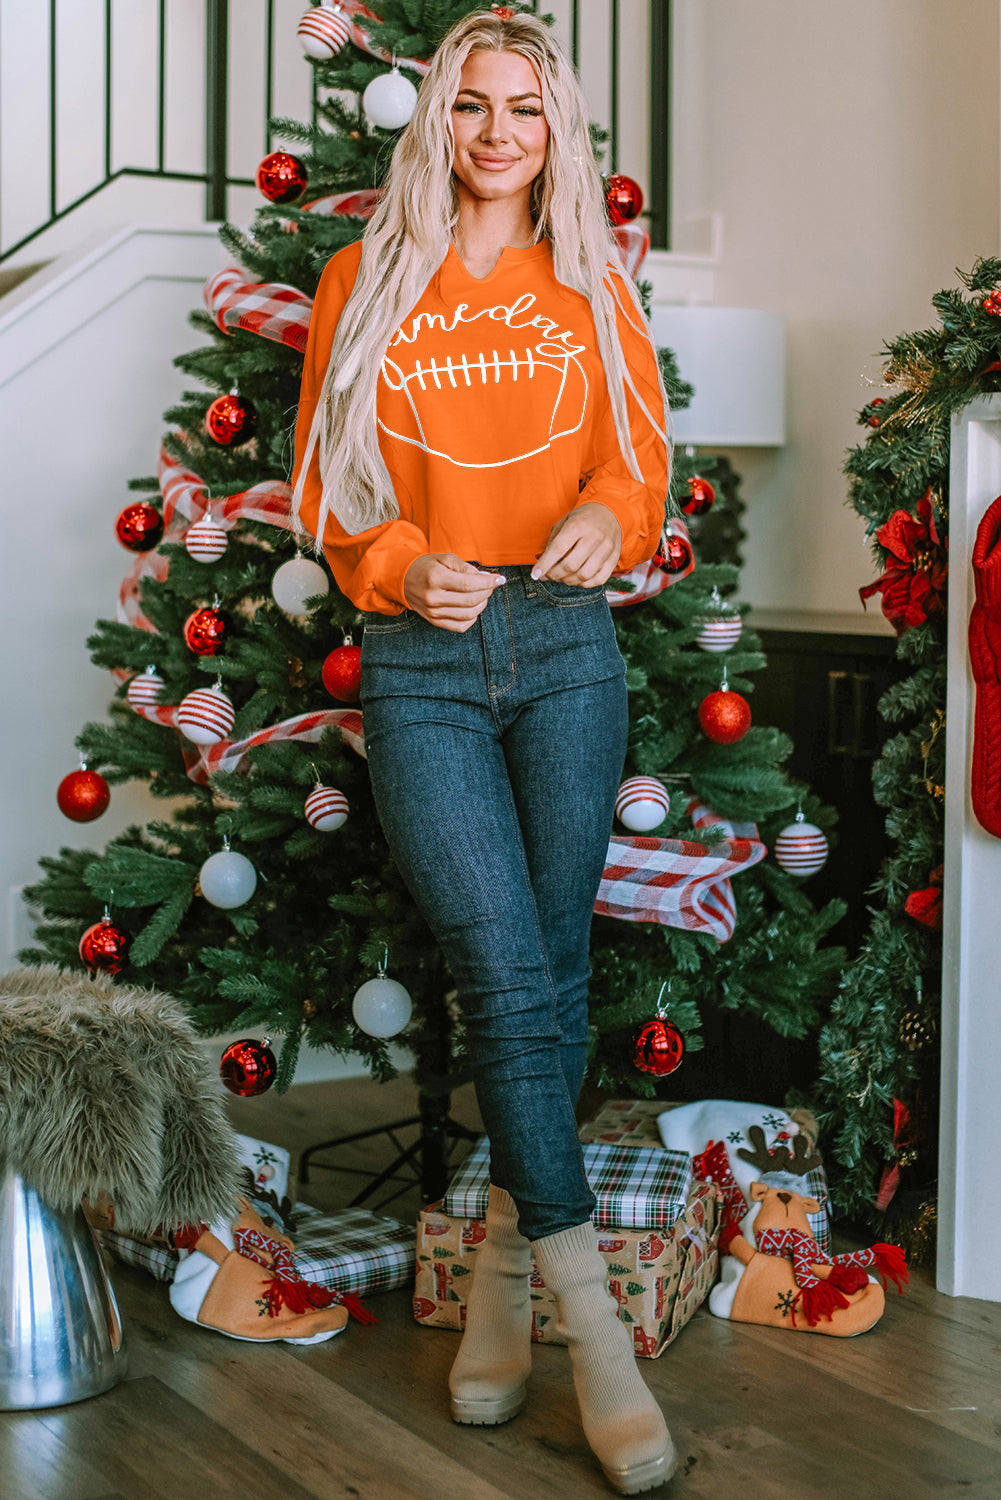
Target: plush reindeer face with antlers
(779, 1187)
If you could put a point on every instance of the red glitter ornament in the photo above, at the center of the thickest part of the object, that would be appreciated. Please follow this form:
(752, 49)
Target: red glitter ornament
(230, 420)
(701, 496)
(205, 632)
(281, 177)
(248, 1067)
(342, 673)
(104, 947)
(992, 304)
(658, 1047)
(83, 795)
(139, 527)
(725, 717)
(623, 198)
(674, 555)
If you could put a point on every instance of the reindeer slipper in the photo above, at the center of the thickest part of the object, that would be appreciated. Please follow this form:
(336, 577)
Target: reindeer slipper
(240, 1279)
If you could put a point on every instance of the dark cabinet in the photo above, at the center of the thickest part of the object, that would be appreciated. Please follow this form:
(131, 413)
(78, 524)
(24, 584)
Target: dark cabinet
(822, 686)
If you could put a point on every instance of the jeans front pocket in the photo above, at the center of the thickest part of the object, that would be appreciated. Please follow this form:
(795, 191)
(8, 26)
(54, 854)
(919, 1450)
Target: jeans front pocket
(377, 624)
(567, 595)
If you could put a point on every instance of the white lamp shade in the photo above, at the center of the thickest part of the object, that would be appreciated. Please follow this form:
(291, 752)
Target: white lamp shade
(735, 359)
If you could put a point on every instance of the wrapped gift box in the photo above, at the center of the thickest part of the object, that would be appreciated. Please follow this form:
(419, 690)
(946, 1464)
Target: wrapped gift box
(636, 1187)
(351, 1251)
(658, 1276)
(625, 1122)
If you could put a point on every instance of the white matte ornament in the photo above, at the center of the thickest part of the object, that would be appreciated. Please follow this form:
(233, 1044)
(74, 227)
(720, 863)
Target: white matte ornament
(144, 691)
(326, 809)
(801, 848)
(382, 1007)
(642, 804)
(720, 634)
(205, 541)
(206, 716)
(227, 879)
(389, 100)
(296, 581)
(323, 31)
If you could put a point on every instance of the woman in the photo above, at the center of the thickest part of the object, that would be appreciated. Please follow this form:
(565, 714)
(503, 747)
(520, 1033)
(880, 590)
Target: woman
(481, 441)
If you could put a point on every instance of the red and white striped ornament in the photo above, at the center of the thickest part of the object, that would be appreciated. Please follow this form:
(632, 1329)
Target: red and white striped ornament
(720, 634)
(326, 809)
(144, 691)
(323, 31)
(642, 803)
(205, 541)
(206, 716)
(801, 848)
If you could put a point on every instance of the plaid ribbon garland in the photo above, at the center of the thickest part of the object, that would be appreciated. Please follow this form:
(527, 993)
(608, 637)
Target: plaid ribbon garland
(636, 1187)
(276, 312)
(677, 882)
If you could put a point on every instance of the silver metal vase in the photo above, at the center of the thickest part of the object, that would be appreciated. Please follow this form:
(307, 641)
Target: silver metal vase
(61, 1334)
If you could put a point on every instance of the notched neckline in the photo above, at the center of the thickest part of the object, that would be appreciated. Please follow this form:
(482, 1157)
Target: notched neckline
(510, 254)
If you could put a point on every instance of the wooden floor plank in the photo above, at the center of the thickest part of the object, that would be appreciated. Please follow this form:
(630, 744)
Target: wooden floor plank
(36, 1462)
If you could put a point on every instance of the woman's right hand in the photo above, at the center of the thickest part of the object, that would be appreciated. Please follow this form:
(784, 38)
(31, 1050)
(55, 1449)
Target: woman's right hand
(447, 591)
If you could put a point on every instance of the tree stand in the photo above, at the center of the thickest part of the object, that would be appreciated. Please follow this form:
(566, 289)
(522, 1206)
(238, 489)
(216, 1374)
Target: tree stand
(426, 1160)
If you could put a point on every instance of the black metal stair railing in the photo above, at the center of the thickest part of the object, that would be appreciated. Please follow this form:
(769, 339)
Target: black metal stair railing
(216, 175)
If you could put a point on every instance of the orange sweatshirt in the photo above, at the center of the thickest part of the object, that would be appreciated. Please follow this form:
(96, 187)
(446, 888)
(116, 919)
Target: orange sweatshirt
(494, 422)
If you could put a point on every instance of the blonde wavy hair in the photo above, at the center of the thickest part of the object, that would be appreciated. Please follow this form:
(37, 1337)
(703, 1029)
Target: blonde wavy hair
(409, 235)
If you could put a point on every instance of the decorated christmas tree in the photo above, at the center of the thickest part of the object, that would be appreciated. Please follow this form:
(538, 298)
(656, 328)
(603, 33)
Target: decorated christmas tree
(265, 898)
(880, 1050)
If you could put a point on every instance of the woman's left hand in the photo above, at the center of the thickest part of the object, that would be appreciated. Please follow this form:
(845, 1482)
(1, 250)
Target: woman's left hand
(583, 547)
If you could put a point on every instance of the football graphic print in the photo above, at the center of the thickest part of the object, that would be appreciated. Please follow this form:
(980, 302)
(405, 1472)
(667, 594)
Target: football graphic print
(438, 380)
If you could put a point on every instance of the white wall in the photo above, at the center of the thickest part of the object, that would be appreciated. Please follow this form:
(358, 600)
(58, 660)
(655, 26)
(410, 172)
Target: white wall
(852, 151)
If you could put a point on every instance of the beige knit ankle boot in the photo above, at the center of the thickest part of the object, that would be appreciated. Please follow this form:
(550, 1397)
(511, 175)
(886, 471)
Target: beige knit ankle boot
(621, 1420)
(488, 1378)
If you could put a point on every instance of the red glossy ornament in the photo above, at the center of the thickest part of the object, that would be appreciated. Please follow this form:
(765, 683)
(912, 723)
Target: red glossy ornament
(875, 421)
(342, 673)
(104, 947)
(992, 304)
(701, 496)
(248, 1067)
(674, 554)
(205, 632)
(281, 177)
(658, 1047)
(623, 198)
(139, 527)
(725, 717)
(83, 795)
(230, 420)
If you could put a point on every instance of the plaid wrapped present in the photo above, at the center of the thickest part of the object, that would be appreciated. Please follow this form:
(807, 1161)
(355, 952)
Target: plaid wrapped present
(625, 1122)
(636, 1187)
(658, 1277)
(352, 1251)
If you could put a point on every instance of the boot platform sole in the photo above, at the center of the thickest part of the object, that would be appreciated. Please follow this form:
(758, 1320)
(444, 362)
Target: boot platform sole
(488, 1411)
(641, 1477)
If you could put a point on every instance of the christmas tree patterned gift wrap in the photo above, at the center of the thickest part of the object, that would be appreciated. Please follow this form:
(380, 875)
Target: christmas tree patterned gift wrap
(658, 1277)
(625, 1122)
(637, 1187)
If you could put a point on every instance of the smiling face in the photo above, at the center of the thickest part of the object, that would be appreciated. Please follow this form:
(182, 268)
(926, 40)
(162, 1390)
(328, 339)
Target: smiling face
(499, 128)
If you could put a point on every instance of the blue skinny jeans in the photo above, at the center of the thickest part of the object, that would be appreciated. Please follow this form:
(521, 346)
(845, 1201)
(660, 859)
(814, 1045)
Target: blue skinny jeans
(495, 757)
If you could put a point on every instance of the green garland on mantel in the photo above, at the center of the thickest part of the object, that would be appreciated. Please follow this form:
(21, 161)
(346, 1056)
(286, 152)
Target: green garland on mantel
(879, 1051)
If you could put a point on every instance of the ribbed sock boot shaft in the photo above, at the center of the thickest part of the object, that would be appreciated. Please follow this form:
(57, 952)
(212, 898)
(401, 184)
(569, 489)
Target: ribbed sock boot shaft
(487, 1381)
(622, 1422)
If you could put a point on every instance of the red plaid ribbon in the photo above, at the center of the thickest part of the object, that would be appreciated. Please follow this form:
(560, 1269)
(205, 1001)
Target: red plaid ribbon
(678, 882)
(266, 307)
